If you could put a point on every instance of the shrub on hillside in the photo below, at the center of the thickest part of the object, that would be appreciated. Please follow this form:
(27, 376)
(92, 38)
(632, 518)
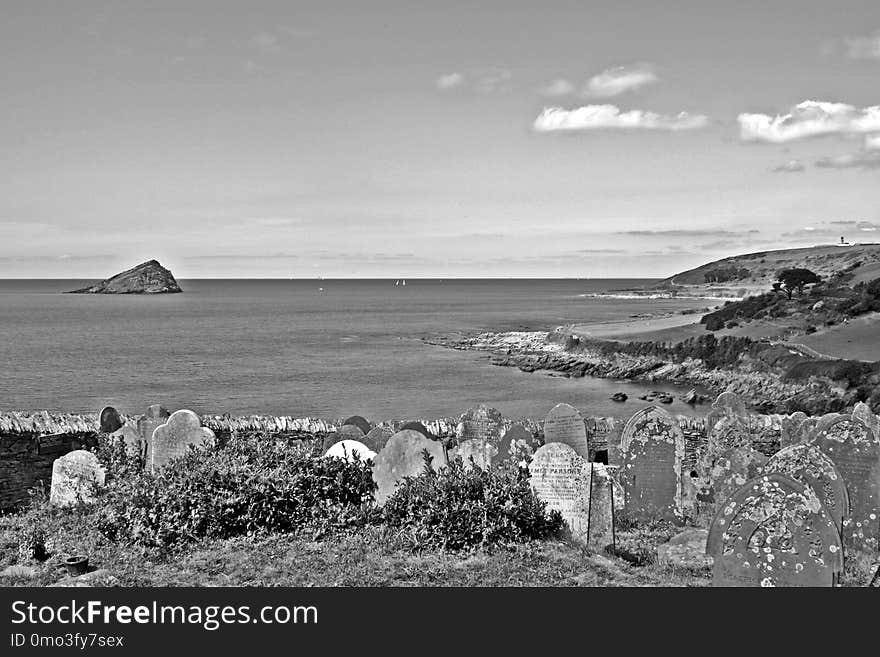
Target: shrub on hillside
(851, 371)
(463, 507)
(246, 487)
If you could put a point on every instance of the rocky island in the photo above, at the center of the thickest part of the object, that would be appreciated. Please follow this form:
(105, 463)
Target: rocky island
(147, 278)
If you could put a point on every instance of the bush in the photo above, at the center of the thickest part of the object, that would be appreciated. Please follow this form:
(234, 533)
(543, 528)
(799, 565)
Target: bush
(463, 507)
(249, 486)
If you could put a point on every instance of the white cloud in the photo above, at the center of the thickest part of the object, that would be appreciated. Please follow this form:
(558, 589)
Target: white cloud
(616, 81)
(792, 166)
(594, 117)
(809, 119)
(864, 47)
(450, 81)
(558, 88)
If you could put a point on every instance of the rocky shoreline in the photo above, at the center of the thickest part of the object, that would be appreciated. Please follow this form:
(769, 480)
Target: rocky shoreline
(543, 352)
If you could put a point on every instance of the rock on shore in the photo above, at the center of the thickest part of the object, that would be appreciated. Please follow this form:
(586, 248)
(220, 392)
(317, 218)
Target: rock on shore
(147, 278)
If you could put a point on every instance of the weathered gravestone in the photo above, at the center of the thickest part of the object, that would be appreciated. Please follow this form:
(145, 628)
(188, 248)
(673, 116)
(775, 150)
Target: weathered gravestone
(791, 426)
(403, 457)
(564, 424)
(131, 438)
(774, 532)
(75, 478)
(377, 438)
(809, 466)
(517, 445)
(155, 416)
(350, 450)
(727, 407)
(359, 422)
(110, 420)
(345, 432)
(863, 413)
(856, 453)
(482, 422)
(173, 438)
(728, 473)
(581, 491)
(418, 426)
(481, 451)
(651, 450)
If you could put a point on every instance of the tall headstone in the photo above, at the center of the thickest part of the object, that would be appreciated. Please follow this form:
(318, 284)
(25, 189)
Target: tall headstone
(809, 466)
(774, 532)
(517, 445)
(155, 416)
(403, 457)
(110, 420)
(172, 439)
(651, 449)
(345, 432)
(359, 422)
(481, 451)
(76, 476)
(581, 491)
(855, 452)
(482, 422)
(350, 450)
(564, 424)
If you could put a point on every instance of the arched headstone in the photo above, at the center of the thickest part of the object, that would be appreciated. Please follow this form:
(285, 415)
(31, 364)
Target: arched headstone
(377, 438)
(564, 424)
(403, 457)
(482, 422)
(652, 448)
(518, 444)
(808, 465)
(170, 440)
(350, 450)
(774, 532)
(76, 476)
(110, 420)
(359, 422)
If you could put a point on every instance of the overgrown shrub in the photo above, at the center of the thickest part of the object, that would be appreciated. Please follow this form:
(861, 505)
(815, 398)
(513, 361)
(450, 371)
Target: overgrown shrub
(462, 507)
(246, 487)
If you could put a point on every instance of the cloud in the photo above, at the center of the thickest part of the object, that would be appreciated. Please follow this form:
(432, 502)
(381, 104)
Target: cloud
(809, 119)
(792, 166)
(595, 117)
(864, 47)
(859, 160)
(615, 81)
(558, 88)
(450, 81)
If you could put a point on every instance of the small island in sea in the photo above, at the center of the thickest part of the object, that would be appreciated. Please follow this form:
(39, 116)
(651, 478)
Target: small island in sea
(147, 278)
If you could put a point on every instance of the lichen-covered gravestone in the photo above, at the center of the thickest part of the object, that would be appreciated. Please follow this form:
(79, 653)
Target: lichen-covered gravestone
(482, 422)
(810, 467)
(110, 420)
(350, 450)
(774, 532)
(76, 476)
(863, 413)
(791, 426)
(564, 424)
(481, 451)
(581, 491)
(402, 457)
(729, 471)
(651, 449)
(172, 439)
(856, 454)
(518, 444)
(345, 432)
(727, 406)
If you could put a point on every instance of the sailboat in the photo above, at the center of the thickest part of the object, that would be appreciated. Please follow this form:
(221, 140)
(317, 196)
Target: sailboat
(397, 282)
(404, 282)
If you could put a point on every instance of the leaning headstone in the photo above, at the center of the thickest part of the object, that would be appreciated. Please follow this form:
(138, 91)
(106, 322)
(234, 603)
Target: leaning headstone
(110, 420)
(75, 478)
(809, 466)
(482, 422)
(345, 432)
(359, 422)
(774, 532)
(350, 450)
(403, 457)
(728, 473)
(652, 448)
(856, 453)
(481, 451)
(517, 445)
(155, 416)
(581, 491)
(564, 424)
(377, 438)
(863, 413)
(172, 439)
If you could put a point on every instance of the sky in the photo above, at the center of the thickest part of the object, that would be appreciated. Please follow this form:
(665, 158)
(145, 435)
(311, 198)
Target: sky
(445, 139)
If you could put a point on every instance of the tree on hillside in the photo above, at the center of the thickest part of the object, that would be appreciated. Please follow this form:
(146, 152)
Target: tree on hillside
(795, 279)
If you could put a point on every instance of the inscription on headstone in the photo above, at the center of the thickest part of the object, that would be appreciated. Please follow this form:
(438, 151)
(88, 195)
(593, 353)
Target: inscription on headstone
(76, 476)
(480, 422)
(403, 457)
(564, 424)
(172, 439)
(774, 532)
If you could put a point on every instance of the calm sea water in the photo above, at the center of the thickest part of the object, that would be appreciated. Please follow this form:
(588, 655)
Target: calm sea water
(325, 348)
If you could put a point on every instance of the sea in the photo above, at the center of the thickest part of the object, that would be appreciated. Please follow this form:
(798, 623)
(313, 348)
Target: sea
(303, 348)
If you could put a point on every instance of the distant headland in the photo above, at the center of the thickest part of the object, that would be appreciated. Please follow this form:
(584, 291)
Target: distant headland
(147, 278)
